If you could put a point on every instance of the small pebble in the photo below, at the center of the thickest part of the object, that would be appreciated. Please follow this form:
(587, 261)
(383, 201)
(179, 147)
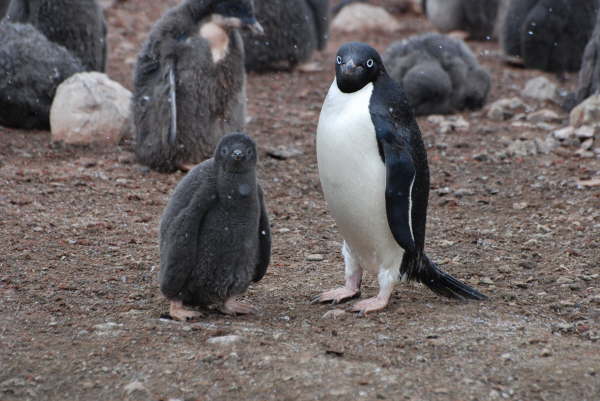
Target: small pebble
(315, 257)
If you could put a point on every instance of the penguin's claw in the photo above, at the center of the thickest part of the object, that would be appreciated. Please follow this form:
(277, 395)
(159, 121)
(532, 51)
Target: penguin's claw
(369, 305)
(233, 307)
(337, 296)
(178, 312)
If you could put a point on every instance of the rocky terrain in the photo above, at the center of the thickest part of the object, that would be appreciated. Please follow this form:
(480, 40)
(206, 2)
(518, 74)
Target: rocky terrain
(514, 211)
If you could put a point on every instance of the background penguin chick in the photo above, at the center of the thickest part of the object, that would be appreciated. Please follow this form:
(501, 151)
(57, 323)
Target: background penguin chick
(3, 7)
(439, 74)
(189, 88)
(589, 75)
(476, 17)
(79, 26)
(549, 35)
(214, 234)
(294, 29)
(31, 68)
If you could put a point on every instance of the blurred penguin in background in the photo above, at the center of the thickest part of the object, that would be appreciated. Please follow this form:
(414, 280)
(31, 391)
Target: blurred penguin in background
(589, 75)
(439, 74)
(190, 83)
(475, 17)
(548, 35)
(31, 68)
(3, 7)
(294, 30)
(77, 25)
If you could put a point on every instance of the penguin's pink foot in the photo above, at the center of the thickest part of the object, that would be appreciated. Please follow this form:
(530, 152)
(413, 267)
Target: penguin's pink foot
(370, 305)
(233, 307)
(337, 295)
(178, 312)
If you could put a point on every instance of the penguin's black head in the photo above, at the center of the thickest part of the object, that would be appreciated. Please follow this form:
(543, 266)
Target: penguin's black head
(236, 14)
(236, 153)
(356, 64)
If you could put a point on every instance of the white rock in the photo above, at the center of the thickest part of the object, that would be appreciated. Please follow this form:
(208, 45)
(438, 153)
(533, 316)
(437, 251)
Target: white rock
(358, 17)
(224, 340)
(522, 148)
(545, 146)
(544, 116)
(541, 88)
(453, 123)
(587, 144)
(90, 108)
(586, 112)
(315, 257)
(585, 132)
(564, 133)
(134, 386)
(503, 109)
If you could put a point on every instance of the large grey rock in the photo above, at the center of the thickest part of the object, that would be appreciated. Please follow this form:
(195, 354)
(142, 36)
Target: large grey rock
(90, 108)
(359, 17)
(542, 89)
(586, 113)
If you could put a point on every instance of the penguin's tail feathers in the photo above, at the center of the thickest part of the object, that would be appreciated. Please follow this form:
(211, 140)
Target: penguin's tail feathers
(426, 272)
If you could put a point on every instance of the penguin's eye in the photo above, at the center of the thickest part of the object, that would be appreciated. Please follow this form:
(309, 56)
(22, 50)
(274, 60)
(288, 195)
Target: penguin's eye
(224, 151)
(370, 63)
(338, 59)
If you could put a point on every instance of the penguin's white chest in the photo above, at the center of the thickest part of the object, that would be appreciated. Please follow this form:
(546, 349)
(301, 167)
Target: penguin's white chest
(353, 177)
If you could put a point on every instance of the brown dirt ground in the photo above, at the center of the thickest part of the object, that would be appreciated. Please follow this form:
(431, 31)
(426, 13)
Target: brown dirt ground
(79, 249)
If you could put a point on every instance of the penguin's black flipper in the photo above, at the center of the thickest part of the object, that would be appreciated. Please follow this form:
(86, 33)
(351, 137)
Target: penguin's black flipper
(264, 240)
(400, 178)
(423, 270)
(320, 11)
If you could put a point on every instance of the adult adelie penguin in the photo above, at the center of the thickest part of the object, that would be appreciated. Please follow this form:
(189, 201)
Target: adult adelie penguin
(374, 174)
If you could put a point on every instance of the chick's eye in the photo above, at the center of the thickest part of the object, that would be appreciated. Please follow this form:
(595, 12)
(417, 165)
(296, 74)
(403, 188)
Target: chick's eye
(370, 63)
(338, 59)
(224, 151)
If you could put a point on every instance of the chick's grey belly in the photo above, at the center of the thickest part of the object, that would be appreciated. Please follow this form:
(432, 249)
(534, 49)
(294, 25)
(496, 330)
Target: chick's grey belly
(226, 256)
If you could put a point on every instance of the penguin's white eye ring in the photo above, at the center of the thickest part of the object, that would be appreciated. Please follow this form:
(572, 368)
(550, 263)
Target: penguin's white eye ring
(370, 63)
(338, 59)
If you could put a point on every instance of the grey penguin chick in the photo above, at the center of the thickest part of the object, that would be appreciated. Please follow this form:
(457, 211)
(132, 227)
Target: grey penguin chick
(439, 74)
(294, 29)
(78, 25)
(190, 83)
(476, 17)
(3, 7)
(31, 68)
(214, 234)
(589, 76)
(548, 35)
(375, 177)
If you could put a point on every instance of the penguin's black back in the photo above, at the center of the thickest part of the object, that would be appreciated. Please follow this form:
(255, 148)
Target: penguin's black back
(389, 102)
(31, 68)
(549, 35)
(78, 25)
(294, 29)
